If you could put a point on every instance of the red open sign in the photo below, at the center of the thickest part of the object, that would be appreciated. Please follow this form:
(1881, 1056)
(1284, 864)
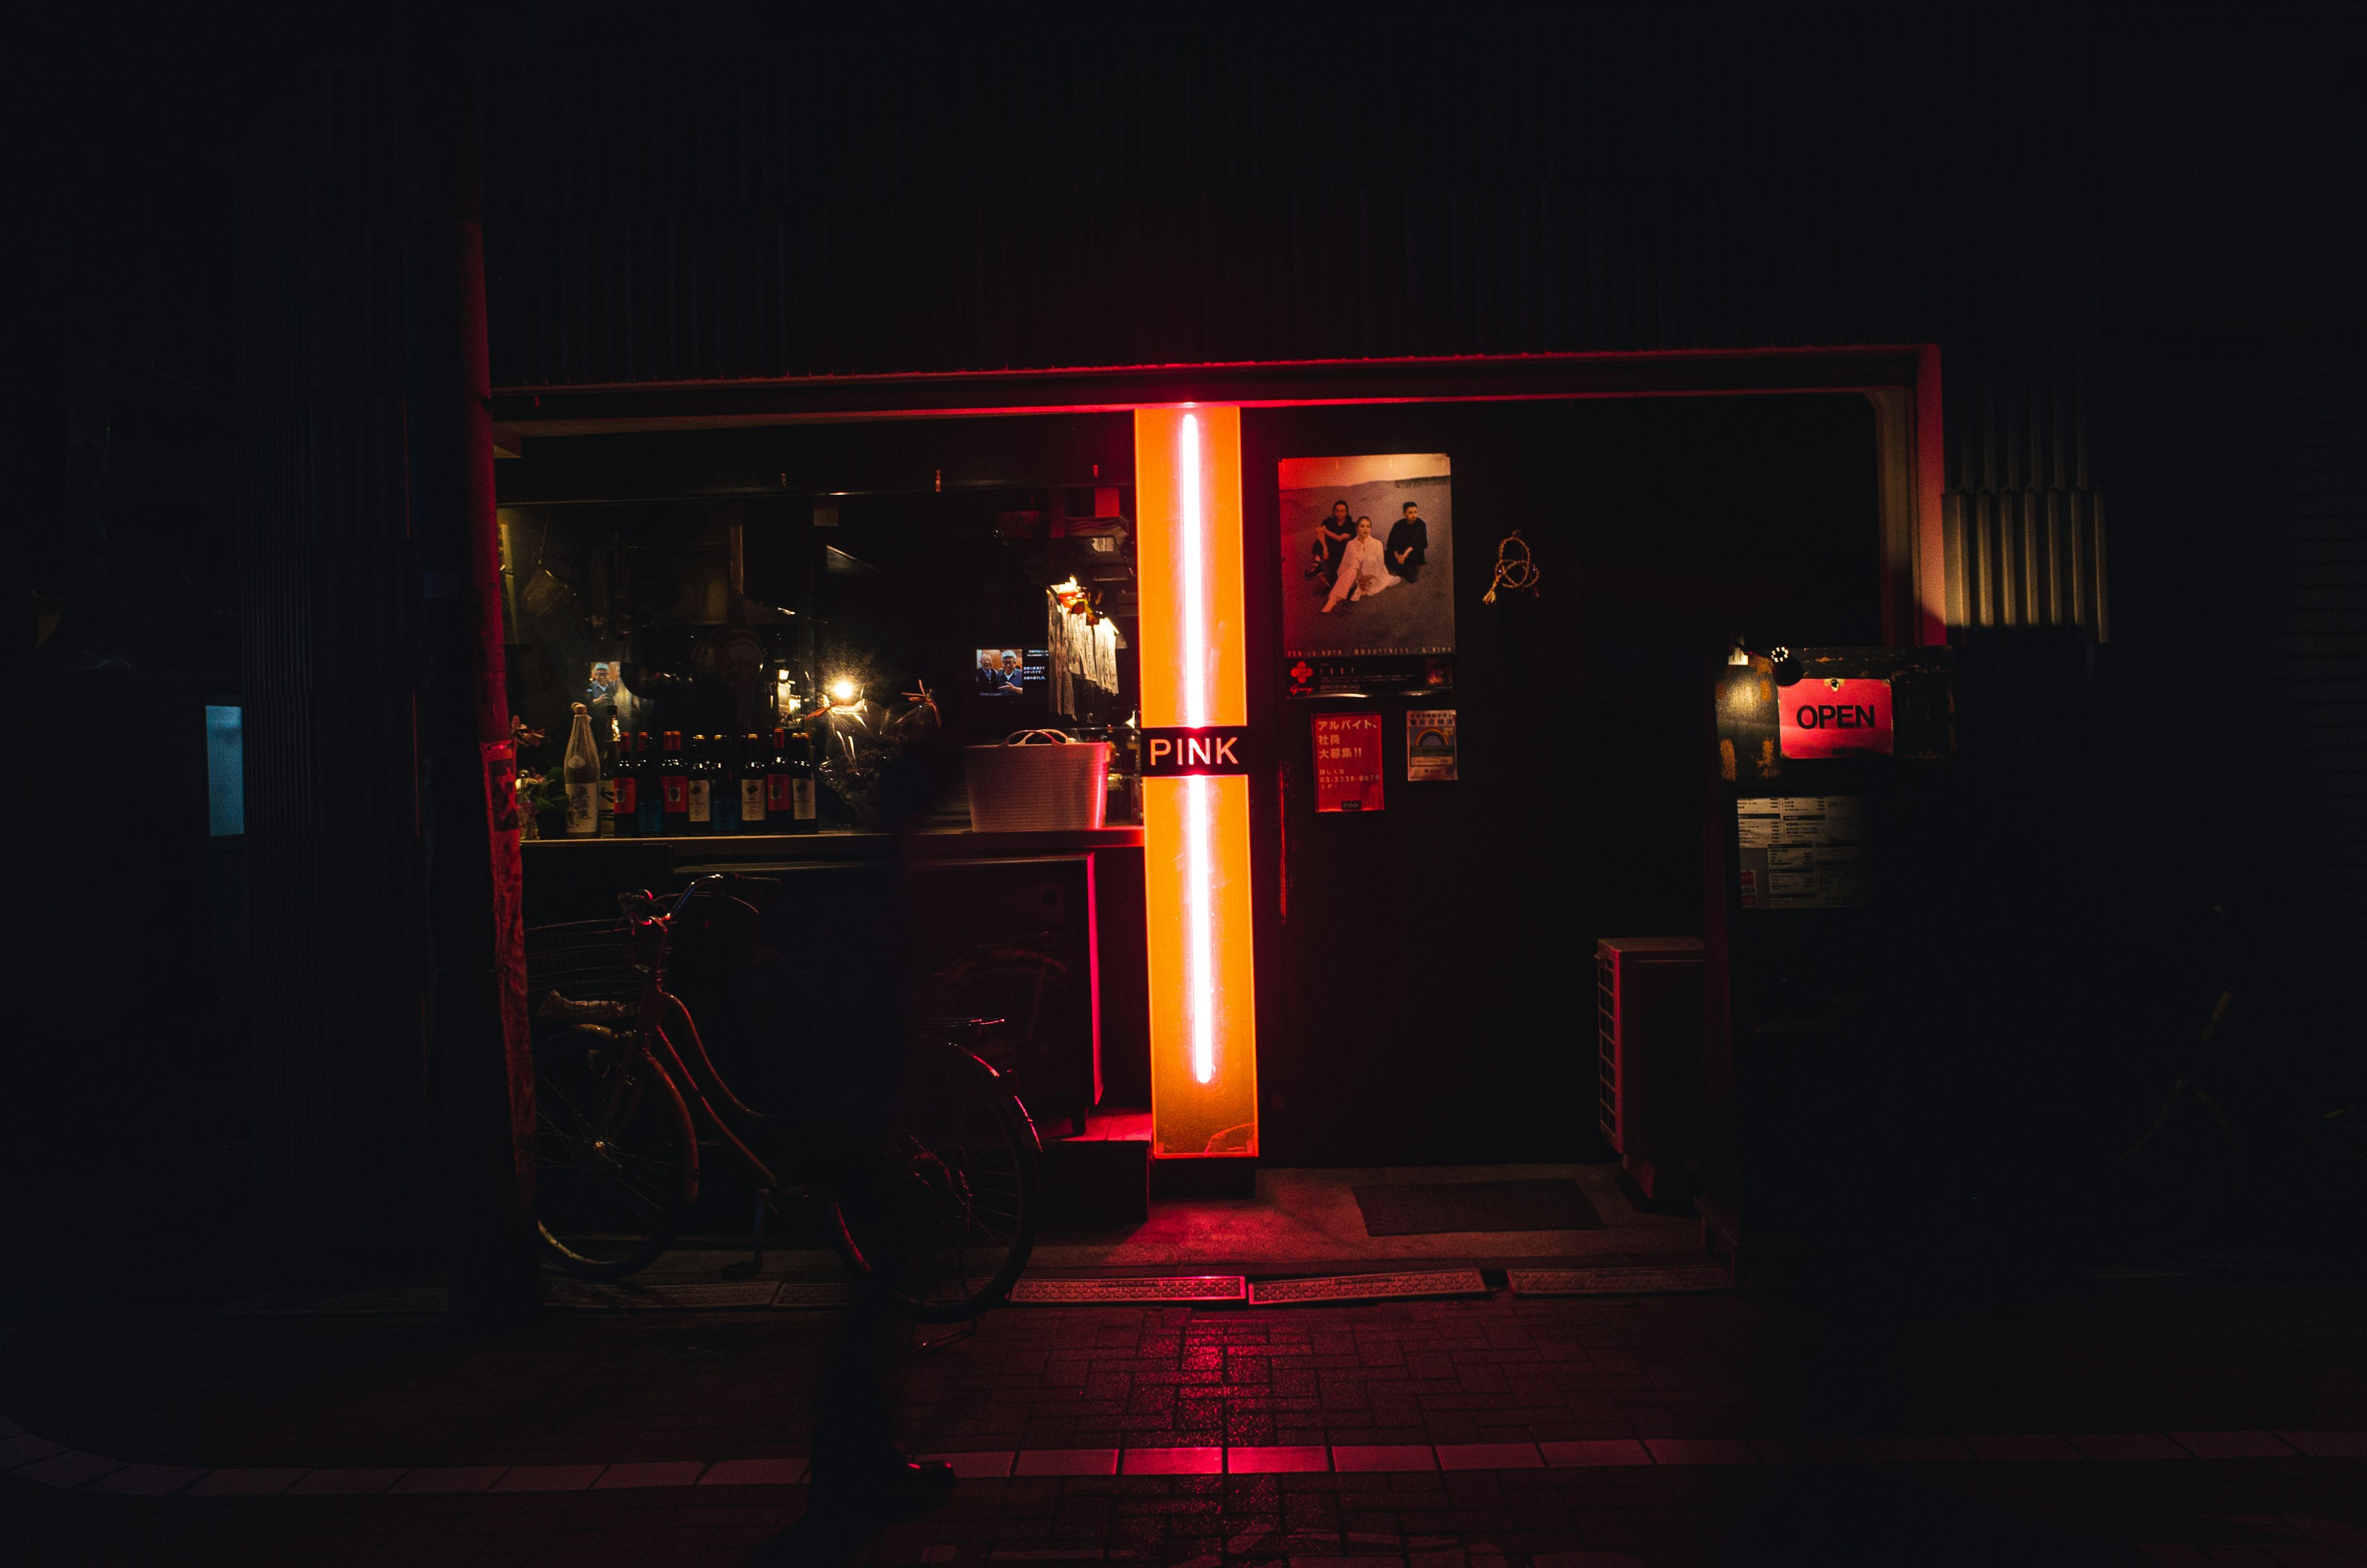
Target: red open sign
(1832, 718)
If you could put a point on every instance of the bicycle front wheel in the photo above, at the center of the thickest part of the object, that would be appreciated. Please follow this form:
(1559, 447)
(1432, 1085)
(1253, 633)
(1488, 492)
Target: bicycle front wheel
(943, 1219)
(615, 1156)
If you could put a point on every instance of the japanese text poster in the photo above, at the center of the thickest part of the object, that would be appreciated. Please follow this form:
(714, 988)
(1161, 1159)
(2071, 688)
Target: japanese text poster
(1347, 761)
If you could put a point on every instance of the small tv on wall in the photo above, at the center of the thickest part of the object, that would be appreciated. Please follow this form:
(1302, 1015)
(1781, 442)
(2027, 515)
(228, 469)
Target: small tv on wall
(1010, 672)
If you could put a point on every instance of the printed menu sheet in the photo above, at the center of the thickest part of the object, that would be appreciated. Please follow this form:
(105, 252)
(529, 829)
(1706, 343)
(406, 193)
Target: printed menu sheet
(1803, 852)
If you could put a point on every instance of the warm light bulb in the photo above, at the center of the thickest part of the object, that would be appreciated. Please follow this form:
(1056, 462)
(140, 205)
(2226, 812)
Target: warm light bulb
(842, 691)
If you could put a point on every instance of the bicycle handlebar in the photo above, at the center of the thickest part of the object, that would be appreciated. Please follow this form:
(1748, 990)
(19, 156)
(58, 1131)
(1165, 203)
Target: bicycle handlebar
(645, 905)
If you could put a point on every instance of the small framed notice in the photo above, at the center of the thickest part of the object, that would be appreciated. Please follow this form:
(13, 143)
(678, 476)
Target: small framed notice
(1347, 761)
(1430, 745)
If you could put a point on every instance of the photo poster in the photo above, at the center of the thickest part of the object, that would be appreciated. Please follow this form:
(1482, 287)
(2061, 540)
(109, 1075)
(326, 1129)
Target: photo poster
(1348, 761)
(1369, 611)
(1429, 746)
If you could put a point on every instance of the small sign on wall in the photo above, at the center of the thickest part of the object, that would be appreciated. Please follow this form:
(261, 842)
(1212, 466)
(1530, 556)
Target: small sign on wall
(1805, 851)
(1347, 761)
(1429, 746)
(1831, 717)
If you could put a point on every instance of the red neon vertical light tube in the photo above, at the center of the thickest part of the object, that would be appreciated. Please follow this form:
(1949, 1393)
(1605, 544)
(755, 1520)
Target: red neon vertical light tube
(1195, 830)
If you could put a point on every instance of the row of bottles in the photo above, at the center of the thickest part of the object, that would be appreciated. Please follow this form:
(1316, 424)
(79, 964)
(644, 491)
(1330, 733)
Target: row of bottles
(721, 784)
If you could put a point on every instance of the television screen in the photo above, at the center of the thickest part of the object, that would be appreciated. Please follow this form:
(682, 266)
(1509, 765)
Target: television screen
(1010, 672)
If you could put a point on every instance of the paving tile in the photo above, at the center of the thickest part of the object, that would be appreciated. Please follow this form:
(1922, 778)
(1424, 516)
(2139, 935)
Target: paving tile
(762, 1472)
(1174, 1462)
(1806, 1450)
(147, 1480)
(2329, 1445)
(1370, 1457)
(1489, 1456)
(24, 1449)
(343, 1483)
(71, 1468)
(1278, 1458)
(1066, 1461)
(1700, 1450)
(1591, 1452)
(661, 1473)
(1914, 1451)
(246, 1483)
(2232, 1445)
(2018, 1446)
(549, 1478)
(2127, 1446)
(471, 1478)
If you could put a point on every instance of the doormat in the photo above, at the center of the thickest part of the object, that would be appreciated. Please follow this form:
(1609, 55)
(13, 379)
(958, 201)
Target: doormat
(1368, 1288)
(1678, 1279)
(1435, 1208)
(1096, 1292)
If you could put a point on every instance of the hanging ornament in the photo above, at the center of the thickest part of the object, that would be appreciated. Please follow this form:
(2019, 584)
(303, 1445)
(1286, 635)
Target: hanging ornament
(1516, 568)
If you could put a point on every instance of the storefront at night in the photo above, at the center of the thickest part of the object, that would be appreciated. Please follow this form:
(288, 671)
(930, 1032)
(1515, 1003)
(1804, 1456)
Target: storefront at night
(1396, 514)
(1363, 933)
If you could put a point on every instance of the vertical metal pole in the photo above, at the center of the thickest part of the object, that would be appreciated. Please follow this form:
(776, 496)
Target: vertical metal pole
(477, 1018)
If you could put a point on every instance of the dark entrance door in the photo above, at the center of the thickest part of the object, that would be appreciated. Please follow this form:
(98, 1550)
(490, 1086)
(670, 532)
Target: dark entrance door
(1436, 959)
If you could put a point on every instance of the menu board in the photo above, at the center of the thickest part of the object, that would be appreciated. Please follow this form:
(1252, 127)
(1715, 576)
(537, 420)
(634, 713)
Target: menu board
(1803, 852)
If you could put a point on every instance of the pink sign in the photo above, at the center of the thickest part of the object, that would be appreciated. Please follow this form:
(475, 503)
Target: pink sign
(1832, 718)
(1347, 761)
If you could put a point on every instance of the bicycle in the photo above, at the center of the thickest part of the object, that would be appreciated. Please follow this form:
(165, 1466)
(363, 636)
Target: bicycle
(944, 1214)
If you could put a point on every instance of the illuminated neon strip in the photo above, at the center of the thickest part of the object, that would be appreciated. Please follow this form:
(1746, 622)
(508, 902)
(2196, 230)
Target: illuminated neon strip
(1197, 830)
(1204, 989)
(1194, 524)
(1199, 977)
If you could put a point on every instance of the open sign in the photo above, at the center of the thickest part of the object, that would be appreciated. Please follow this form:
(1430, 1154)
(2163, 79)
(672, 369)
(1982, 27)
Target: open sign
(1831, 717)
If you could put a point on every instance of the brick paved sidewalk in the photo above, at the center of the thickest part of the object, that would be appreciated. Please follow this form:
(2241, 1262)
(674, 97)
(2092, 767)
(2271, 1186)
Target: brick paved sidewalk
(1463, 1382)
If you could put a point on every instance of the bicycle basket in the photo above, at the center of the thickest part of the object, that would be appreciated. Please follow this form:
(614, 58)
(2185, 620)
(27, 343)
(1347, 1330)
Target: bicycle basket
(584, 961)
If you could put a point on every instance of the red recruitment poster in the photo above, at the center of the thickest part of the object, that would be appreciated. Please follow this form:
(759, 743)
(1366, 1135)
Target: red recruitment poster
(1347, 761)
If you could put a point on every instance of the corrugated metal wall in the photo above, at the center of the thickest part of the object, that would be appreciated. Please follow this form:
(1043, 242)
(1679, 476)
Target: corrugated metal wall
(2256, 584)
(345, 1146)
(750, 212)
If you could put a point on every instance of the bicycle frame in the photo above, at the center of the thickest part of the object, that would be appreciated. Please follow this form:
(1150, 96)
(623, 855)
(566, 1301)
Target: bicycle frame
(662, 1015)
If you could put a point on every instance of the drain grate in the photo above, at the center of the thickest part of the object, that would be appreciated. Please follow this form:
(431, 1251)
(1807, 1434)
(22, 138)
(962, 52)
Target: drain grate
(1093, 1293)
(582, 1297)
(1368, 1286)
(1677, 1279)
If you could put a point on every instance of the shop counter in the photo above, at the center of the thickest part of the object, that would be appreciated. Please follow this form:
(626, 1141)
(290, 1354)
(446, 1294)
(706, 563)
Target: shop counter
(578, 879)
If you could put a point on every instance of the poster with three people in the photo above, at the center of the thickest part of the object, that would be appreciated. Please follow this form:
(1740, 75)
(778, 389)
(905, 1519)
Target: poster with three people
(1368, 573)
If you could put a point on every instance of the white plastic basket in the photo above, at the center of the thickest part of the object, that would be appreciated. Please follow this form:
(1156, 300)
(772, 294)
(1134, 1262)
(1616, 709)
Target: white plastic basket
(1037, 781)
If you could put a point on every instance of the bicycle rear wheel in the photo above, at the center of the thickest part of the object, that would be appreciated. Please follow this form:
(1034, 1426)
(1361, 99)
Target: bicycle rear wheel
(615, 1160)
(944, 1219)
